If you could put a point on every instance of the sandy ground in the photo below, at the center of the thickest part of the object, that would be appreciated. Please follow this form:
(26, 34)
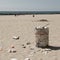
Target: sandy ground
(24, 27)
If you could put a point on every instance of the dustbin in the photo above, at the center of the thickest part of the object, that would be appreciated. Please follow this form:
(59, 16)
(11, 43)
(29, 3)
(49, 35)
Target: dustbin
(42, 36)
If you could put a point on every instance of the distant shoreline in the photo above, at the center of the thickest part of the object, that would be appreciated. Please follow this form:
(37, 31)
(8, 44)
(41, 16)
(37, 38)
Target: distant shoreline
(27, 12)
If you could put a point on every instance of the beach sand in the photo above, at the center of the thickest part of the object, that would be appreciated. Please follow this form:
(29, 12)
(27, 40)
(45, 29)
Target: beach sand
(24, 27)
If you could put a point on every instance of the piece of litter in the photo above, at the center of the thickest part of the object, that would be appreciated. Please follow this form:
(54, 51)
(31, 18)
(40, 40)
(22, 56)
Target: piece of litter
(27, 59)
(13, 59)
(15, 37)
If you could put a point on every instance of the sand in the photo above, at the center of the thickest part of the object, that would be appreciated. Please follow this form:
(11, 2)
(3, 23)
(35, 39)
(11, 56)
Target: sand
(24, 27)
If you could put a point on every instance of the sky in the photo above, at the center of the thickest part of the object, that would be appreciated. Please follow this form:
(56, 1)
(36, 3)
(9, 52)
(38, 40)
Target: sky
(29, 5)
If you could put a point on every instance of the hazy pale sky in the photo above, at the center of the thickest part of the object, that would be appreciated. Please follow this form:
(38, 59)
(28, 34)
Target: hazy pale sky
(30, 5)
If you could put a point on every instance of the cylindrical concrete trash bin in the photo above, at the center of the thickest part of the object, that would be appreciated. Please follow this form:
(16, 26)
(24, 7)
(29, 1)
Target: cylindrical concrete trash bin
(42, 36)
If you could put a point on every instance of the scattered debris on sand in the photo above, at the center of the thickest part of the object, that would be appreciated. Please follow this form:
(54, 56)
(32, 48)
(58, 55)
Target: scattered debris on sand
(24, 45)
(12, 49)
(16, 37)
(45, 51)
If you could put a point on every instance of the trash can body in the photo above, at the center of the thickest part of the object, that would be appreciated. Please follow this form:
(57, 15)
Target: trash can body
(42, 37)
